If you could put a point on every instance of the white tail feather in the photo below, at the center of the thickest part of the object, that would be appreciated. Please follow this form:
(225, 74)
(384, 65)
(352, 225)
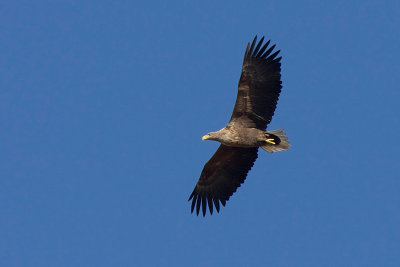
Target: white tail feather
(283, 145)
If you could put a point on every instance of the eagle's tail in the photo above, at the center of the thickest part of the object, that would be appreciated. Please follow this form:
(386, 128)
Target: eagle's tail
(276, 141)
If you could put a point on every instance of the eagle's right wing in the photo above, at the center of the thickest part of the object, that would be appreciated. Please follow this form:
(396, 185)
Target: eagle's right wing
(259, 85)
(221, 176)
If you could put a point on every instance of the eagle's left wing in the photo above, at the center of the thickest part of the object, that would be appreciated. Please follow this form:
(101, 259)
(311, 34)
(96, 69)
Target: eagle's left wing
(221, 176)
(259, 85)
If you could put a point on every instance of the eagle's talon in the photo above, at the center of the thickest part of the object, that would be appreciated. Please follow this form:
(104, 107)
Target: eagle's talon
(271, 141)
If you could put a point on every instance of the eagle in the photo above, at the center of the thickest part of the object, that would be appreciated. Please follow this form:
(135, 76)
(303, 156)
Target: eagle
(258, 92)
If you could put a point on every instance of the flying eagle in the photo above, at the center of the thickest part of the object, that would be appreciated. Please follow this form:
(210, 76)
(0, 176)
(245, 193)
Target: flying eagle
(258, 93)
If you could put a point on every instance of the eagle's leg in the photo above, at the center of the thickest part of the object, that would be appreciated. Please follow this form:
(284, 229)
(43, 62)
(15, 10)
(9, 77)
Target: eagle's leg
(271, 141)
(275, 141)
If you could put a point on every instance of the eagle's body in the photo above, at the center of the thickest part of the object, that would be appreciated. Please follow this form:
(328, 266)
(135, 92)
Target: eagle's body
(238, 136)
(258, 93)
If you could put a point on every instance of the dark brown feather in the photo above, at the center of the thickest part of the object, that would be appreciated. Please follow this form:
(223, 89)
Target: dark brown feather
(221, 176)
(259, 86)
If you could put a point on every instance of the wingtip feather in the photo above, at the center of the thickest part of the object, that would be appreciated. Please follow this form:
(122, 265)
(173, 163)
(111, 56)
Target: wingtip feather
(204, 205)
(271, 57)
(252, 46)
(216, 203)
(191, 195)
(193, 203)
(263, 49)
(266, 54)
(258, 46)
(210, 204)
(198, 205)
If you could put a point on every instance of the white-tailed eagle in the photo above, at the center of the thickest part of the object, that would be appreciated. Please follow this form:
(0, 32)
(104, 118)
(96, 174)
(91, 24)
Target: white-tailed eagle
(258, 92)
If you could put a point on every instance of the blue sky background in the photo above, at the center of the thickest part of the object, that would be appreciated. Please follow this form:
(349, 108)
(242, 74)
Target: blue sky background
(103, 105)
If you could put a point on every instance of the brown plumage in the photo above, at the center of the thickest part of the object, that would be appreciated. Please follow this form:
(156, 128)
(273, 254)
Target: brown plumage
(258, 93)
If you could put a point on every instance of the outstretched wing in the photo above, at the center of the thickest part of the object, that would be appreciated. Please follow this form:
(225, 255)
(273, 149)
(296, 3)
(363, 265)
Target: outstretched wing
(221, 176)
(259, 85)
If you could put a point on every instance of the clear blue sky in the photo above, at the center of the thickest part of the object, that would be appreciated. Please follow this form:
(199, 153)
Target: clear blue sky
(103, 105)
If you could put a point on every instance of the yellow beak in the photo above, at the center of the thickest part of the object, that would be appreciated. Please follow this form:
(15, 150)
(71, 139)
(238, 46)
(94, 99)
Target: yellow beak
(205, 137)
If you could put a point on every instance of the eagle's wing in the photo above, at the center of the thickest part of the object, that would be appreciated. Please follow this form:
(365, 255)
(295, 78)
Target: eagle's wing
(259, 85)
(221, 176)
